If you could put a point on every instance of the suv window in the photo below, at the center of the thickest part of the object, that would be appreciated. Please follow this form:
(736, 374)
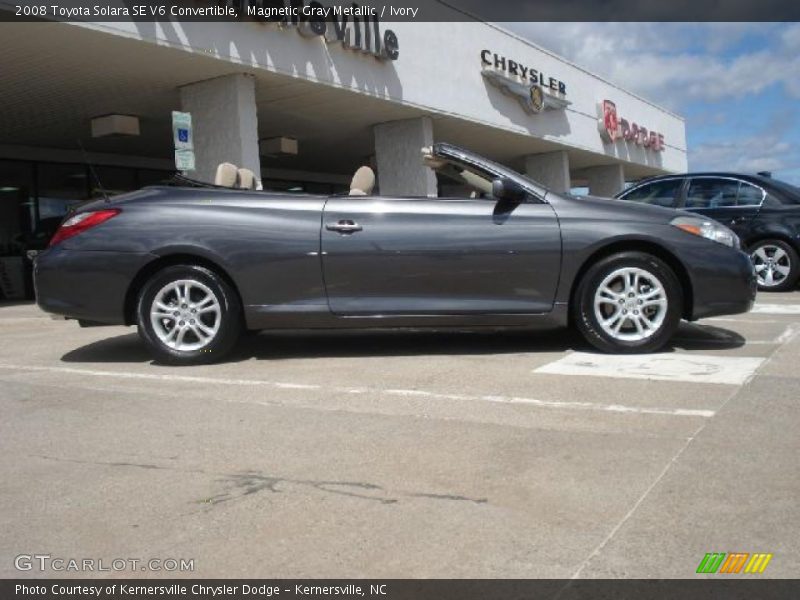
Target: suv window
(749, 195)
(709, 192)
(659, 193)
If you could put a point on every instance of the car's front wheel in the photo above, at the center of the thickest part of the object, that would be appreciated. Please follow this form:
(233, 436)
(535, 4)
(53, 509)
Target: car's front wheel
(777, 265)
(628, 302)
(188, 315)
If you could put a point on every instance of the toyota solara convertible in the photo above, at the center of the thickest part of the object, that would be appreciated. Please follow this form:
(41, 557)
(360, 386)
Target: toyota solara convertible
(194, 265)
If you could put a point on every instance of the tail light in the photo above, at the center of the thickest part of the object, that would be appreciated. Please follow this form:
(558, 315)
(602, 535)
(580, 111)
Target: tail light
(81, 222)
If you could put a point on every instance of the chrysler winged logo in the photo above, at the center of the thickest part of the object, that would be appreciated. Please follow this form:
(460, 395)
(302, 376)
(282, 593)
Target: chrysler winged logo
(531, 96)
(536, 98)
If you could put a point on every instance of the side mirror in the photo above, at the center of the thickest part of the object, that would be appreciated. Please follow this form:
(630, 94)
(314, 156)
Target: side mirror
(508, 190)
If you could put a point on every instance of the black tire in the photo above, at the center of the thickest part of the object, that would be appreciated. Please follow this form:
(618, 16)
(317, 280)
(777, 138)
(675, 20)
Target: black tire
(769, 249)
(203, 281)
(662, 311)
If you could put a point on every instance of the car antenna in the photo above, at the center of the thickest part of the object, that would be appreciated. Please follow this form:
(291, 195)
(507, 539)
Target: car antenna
(93, 172)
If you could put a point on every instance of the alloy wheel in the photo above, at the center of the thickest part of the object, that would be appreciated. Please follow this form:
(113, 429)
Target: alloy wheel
(630, 304)
(186, 315)
(772, 264)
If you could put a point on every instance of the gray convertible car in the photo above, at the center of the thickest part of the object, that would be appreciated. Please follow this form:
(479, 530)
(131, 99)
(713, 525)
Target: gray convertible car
(194, 265)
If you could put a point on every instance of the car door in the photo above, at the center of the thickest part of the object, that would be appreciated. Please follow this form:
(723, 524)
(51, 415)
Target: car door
(732, 202)
(436, 256)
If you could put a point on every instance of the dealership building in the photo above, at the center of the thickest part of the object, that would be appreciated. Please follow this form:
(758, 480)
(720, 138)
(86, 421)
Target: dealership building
(301, 103)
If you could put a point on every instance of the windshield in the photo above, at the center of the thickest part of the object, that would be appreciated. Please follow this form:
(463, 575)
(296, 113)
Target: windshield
(460, 160)
(476, 182)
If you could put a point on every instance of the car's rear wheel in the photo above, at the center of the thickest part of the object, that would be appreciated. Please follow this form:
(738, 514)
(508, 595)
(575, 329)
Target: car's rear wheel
(188, 315)
(777, 265)
(628, 302)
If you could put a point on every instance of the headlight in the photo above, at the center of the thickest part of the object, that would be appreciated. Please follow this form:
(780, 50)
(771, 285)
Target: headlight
(708, 229)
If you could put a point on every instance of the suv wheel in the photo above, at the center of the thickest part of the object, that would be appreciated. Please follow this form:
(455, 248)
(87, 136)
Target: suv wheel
(628, 302)
(188, 315)
(777, 265)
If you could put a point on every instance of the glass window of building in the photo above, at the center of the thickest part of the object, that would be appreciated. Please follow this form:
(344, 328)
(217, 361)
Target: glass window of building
(111, 180)
(17, 219)
(60, 186)
(17, 206)
(153, 177)
(35, 197)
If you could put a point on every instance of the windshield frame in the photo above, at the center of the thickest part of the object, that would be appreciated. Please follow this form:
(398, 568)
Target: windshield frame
(459, 156)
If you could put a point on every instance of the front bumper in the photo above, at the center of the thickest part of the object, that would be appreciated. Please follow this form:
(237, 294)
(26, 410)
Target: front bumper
(90, 286)
(724, 283)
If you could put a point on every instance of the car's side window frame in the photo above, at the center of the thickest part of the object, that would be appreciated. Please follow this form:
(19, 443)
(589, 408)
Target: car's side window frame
(739, 183)
(488, 175)
(495, 170)
(678, 193)
(742, 183)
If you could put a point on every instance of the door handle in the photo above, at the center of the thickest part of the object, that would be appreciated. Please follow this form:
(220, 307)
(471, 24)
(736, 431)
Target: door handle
(344, 226)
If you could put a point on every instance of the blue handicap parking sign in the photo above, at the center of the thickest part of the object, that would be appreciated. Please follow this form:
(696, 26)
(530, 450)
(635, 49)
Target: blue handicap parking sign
(183, 135)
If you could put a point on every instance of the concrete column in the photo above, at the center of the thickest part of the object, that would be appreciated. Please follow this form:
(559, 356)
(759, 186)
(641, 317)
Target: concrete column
(225, 123)
(551, 169)
(606, 180)
(398, 146)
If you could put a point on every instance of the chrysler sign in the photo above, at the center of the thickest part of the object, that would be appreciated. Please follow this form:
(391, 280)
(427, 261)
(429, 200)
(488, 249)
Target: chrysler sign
(534, 90)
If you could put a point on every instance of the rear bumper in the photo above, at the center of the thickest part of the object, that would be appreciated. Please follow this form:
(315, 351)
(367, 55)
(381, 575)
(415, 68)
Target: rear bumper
(724, 284)
(89, 286)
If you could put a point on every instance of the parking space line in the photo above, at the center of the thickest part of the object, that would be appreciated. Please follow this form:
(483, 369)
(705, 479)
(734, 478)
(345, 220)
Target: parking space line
(787, 335)
(692, 368)
(782, 338)
(423, 394)
(602, 545)
(741, 320)
(558, 404)
(776, 309)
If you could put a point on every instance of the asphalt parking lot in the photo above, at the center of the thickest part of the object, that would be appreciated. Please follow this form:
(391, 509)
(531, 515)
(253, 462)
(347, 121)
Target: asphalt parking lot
(410, 455)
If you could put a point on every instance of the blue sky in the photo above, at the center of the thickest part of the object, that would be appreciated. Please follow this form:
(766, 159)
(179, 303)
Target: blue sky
(736, 84)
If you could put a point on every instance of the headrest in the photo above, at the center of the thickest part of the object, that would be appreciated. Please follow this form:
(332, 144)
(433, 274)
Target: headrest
(227, 175)
(363, 182)
(431, 161)
(247, 179)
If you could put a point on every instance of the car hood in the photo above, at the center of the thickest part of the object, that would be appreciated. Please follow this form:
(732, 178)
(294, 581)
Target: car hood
(620, 210)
